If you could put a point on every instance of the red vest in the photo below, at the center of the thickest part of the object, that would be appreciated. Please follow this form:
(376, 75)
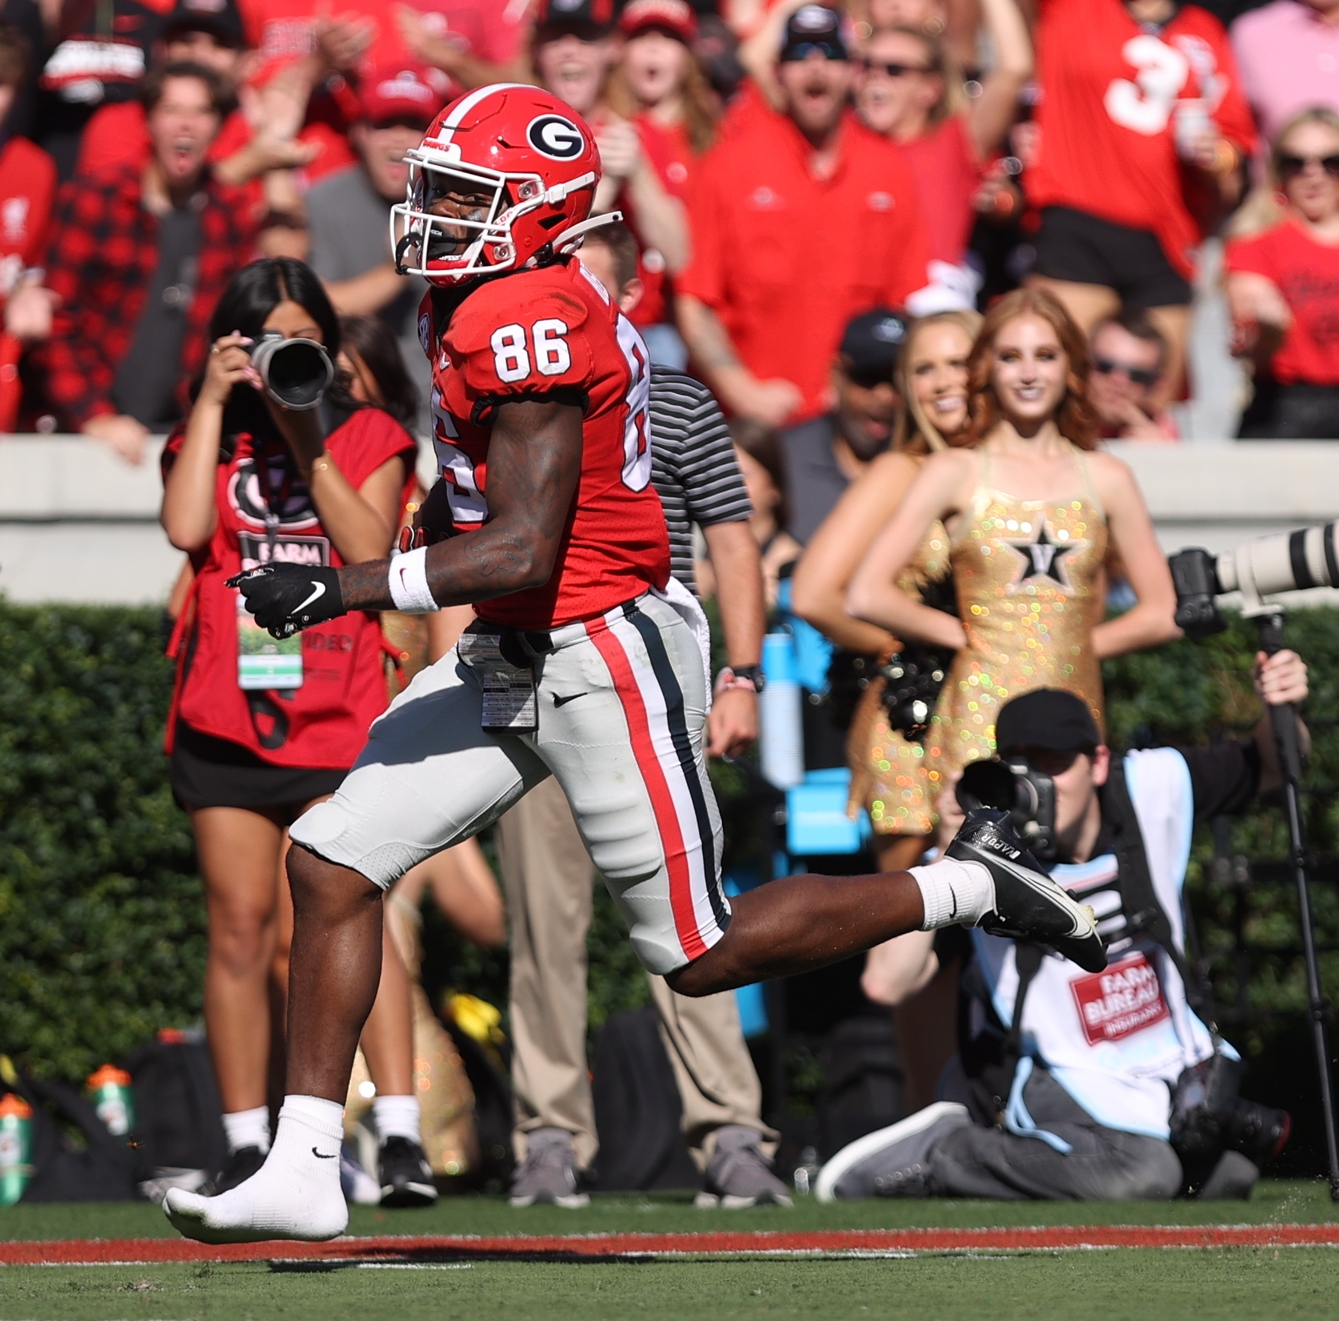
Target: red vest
(322, 724)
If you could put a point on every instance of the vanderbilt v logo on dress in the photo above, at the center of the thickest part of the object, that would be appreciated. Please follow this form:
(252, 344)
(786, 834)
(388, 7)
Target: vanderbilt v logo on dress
(1045, 557)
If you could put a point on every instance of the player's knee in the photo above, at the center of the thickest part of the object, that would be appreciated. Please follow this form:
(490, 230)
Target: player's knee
(322, 886)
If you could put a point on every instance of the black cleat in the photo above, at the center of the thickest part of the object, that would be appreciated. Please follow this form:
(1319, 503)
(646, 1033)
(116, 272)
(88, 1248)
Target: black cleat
(239, 1166)
(406, 1177)
(1028, 904)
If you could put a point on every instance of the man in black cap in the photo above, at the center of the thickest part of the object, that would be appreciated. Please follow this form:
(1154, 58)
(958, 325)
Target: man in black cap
(1098, 1093)
(824, 456)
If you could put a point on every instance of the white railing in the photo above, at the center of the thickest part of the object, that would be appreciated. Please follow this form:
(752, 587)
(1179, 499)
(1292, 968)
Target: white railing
(77, 523)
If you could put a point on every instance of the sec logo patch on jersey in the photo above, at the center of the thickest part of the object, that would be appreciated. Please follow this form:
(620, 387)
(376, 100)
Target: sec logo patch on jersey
(555, 137)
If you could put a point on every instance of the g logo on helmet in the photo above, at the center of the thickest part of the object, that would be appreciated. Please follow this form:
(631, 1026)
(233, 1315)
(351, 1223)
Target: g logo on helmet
(556, 137)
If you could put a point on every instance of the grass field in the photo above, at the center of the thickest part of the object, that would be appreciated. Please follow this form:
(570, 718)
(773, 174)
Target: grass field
(1146, 1284)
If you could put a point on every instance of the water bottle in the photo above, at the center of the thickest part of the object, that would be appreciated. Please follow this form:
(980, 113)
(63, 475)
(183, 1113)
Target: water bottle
(16, 1147)
(781, 740)
(109, 1091)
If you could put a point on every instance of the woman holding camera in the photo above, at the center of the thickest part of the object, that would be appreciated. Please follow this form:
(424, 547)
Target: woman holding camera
(1282, 282)
(260, 730)
(1031, 511)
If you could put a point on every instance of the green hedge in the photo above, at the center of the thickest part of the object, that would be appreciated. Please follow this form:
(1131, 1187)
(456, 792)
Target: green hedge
(102, 925)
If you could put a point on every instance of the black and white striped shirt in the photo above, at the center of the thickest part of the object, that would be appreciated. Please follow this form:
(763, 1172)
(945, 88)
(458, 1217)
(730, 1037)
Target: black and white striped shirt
(693, 464)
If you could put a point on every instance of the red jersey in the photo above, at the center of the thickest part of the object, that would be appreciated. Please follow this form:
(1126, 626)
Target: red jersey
(785, 259)
(1307, 275)
(1110, 96)
(537, 332)
(947, 176)
(323, 723)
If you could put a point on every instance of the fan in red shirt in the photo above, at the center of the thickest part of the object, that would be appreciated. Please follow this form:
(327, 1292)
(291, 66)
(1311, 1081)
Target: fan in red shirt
(908, 90)
(1142, 114)
(27, 189)
(1283, 285)
(598, 678)
(801, 220)
(660, 86)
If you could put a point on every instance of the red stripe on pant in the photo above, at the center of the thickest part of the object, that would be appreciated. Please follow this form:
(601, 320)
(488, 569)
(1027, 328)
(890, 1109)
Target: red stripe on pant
(611, 649)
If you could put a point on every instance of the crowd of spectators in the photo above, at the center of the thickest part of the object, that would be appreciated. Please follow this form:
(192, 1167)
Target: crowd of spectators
(783, 165)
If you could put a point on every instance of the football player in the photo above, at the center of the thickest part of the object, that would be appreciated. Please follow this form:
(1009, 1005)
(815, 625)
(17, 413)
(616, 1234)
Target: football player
(585, 662)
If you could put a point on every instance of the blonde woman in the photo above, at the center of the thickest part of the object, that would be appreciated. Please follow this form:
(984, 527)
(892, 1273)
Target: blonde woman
(889, 776)
(1282, 280)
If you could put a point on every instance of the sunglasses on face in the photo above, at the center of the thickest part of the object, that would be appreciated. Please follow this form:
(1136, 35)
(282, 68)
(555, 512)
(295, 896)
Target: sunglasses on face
(893, 69)
(1291, 166)
(1139, 375)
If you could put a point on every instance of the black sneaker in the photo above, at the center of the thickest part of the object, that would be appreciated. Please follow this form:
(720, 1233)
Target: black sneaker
(406, 1177)
(238, 1168)
(1028, 904)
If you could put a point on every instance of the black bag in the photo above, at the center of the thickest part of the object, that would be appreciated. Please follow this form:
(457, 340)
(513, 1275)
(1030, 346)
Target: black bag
(178, 1114)
(637, 1108)
(862, 1081)
(101, 1172)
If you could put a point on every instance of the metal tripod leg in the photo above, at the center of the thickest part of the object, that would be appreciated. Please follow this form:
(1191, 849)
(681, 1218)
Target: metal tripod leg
(1284, 721)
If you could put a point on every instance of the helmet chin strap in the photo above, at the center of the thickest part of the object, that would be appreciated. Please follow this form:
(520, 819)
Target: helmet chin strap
(570, 239)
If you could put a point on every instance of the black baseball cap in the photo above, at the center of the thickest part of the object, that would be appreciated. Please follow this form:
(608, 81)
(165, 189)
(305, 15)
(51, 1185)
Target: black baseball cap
(588, 19)
(871, 345)
(1047, 718)
(220, 18)
(814, 28)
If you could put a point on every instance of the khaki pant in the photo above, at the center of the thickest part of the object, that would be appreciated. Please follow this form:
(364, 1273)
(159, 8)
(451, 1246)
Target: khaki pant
(547, 876)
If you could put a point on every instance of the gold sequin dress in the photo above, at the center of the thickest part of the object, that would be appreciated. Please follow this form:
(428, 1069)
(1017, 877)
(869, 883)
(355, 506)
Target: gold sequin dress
(1030, 590)
(890, 776)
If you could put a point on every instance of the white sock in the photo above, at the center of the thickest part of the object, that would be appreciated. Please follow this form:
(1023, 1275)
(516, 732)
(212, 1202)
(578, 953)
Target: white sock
(954, 892)
(248, 1128)
(295, 1194)
(397, 1117)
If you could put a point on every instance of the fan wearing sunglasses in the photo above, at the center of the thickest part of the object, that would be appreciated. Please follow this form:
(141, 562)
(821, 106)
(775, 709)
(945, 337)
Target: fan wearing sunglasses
(1128, 355)
(1283, 284)
(907, 88)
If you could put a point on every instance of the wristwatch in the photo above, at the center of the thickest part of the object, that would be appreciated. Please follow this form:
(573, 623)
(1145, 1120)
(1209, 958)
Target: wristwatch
(748, 678)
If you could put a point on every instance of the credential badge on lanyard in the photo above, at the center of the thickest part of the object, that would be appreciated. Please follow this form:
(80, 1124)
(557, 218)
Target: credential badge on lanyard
(265, 662)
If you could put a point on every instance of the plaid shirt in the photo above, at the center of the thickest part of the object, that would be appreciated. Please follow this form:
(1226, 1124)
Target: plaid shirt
(101, 260)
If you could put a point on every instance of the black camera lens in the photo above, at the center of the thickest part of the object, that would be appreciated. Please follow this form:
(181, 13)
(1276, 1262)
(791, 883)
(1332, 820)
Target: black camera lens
(1257, 1131)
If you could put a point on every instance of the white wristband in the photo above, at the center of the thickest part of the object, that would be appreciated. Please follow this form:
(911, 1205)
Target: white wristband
(408, 581)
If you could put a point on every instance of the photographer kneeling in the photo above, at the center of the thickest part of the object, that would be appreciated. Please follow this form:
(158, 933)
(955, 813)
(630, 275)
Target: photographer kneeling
(1109, 1085)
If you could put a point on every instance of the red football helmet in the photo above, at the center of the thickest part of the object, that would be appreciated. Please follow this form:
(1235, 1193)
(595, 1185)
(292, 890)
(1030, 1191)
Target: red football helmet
(502, 173)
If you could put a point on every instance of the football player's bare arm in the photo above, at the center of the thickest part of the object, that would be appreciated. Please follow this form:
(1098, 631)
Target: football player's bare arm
(534, 465)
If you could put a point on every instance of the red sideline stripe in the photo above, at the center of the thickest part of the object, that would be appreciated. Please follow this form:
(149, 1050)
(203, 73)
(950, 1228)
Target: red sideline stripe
(388, 1248)
(667, 815)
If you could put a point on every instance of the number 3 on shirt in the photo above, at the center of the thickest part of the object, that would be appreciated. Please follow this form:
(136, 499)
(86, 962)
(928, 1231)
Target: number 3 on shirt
(511, 350)
(1145, 105)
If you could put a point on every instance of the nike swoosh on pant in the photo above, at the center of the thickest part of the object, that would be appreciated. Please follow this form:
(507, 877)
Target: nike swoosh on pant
(563, 701)
(318, 591)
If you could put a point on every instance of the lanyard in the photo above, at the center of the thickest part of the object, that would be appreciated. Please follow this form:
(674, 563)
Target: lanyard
(262, 460)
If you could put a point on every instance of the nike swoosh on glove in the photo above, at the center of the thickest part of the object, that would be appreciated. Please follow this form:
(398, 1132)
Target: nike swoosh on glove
(286, 598)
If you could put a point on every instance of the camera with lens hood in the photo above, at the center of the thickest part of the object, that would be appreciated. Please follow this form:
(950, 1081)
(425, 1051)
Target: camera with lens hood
(296, 373)
(1284, 562)
(1013, 786)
